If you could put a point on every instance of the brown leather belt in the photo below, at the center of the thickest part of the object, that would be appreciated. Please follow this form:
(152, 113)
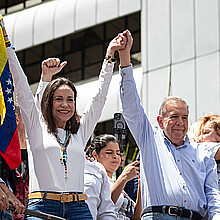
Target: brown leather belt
(62, 197)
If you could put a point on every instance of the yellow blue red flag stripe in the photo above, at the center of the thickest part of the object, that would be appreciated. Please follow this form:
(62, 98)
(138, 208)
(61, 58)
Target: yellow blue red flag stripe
(9, 144)
(3, 59)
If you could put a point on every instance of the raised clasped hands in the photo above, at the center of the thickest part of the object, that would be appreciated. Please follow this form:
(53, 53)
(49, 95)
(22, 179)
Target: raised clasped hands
(124, 52)
(118, 43)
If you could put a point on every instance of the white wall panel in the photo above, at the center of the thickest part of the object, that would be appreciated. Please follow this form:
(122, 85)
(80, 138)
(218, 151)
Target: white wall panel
(64, 22)
(129, 6)
(113, 103)
(158, 33)
(182, 30)
(44, 22)
(208, 84)
(85, 13)
(183, 85)
(57, 18)
(23, 29)
(144, 92)
(106, 11)
(86, 91)
(207, 27)
(157, 91)
(10, 24)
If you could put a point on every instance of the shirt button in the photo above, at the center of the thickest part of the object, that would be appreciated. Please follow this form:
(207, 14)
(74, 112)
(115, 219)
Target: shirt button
(178, 160)
(185, 201)
(123, 89)
(124, 74)
(180, 173)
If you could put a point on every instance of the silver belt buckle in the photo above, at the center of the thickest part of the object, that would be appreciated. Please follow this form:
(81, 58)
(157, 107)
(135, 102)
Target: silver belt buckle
(169, 210)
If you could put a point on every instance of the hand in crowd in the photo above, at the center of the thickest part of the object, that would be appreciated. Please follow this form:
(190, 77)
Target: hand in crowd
(118, 43)
(131, 170)
(50, 67)
(19, 207)
(4, 204)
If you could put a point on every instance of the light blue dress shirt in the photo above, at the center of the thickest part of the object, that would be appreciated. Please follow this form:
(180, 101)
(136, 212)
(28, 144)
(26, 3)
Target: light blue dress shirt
(184, 177)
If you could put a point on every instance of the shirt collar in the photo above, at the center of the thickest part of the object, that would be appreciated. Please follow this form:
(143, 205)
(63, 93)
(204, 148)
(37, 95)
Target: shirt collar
(169, 144)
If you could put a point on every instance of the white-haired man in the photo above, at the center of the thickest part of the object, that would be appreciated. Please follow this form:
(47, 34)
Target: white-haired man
(178, 178)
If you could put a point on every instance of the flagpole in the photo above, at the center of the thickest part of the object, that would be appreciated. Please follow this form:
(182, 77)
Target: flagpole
(38, 214)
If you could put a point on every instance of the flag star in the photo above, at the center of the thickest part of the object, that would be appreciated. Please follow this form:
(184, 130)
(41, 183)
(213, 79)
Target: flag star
(9, 81)
(13, 107)
(10, 100)
(8, 91)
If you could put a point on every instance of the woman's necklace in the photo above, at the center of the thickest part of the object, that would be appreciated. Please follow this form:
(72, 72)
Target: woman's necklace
(63, 145)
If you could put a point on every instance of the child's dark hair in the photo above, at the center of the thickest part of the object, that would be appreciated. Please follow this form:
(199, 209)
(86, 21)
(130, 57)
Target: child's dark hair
(99, 143)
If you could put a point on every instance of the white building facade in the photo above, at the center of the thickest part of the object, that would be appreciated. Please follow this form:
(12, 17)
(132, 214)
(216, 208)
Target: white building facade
(177, 47)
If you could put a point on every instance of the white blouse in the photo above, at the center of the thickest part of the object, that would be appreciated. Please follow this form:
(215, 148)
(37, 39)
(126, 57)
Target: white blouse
(46, 171)
(97, 187)
(120, 200)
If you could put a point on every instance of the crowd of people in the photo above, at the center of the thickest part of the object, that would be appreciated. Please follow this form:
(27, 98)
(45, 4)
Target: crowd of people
(177, 176)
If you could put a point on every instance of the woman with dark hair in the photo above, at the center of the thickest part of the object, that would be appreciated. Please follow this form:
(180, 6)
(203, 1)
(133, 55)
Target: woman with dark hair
(105, 150)
(47, 106)
(56, 136)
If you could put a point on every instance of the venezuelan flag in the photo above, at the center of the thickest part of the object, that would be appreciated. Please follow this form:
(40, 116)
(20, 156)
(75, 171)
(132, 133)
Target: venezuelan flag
(9, 140)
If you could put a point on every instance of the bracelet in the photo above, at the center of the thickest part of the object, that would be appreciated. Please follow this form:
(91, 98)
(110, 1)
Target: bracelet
(9, 44)
(110, 58)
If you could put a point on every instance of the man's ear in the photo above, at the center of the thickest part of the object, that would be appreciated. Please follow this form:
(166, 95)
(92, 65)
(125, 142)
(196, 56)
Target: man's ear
(160, 121)
(95, 155)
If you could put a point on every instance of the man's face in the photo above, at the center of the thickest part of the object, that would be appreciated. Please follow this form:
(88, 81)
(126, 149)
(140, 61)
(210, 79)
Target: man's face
(175, 122)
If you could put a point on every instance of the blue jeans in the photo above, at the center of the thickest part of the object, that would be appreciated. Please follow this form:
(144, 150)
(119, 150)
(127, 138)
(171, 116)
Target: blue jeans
(67, 210)
(161, 216)
(6, 215)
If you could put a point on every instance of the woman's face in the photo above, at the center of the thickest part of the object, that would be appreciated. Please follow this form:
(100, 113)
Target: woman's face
(110, 157)
(63, 105)
(208, 133)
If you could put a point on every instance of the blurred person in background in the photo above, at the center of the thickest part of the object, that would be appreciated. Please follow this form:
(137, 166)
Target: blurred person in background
(22, 173)
(207, 129)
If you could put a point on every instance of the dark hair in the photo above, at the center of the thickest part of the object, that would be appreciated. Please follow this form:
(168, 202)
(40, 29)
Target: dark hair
(100, 142)
(171, 99)
(47, 105)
